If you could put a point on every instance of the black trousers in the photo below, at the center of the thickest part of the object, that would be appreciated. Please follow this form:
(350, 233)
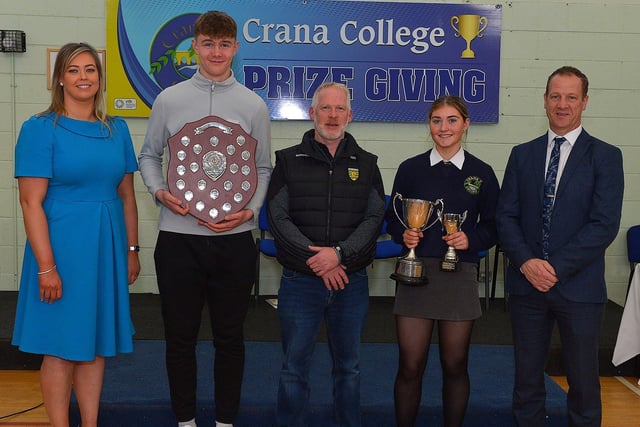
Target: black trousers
(220, 271)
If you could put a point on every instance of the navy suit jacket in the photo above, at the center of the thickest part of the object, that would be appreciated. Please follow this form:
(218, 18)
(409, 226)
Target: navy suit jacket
(585, 218)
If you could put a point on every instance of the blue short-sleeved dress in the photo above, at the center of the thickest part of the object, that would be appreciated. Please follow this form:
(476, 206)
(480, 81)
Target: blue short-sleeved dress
(84, 165)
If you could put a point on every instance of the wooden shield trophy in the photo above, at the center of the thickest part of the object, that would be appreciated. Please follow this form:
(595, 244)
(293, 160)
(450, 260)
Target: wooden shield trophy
(212, 167)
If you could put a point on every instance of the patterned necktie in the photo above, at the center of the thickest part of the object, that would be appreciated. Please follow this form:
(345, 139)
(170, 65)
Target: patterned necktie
(550, 194)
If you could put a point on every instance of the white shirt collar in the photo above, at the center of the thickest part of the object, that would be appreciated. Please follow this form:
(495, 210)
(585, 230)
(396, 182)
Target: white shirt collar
(457, 159)
(571, 137)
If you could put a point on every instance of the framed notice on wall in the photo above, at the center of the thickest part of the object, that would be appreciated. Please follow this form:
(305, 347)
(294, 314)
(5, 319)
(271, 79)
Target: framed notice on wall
(51, 60)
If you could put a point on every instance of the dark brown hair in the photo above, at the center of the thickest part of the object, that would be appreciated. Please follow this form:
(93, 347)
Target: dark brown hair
(570, 71)
(216, 24)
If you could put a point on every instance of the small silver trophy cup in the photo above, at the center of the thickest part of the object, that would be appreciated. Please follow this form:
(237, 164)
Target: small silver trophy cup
(416, 214)
(451, 223)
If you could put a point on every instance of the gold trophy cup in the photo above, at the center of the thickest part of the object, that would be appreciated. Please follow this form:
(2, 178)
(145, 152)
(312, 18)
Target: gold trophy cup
(451, 223)
(469, 27)
(416, 214)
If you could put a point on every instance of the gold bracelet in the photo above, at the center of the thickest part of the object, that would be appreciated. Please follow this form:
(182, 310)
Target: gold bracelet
(40, 273)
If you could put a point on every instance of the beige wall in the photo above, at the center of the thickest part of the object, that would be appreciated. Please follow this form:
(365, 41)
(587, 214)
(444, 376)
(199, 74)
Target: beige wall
(537, 37)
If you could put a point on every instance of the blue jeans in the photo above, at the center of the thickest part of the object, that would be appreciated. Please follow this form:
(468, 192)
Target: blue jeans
(303, 301)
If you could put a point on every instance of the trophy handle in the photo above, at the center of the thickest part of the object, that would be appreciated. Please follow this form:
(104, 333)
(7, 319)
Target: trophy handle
(438, 215)
(462, 218)
(485, 21)
(455, 20)
(393, 202)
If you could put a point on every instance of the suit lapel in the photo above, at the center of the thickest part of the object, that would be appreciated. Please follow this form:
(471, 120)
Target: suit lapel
(539, 164)
(578, 151)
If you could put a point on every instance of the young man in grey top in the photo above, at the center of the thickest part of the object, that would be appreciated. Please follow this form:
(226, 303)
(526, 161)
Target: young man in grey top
(199, 261)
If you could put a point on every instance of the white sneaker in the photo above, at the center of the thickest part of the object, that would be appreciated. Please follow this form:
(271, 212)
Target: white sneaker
(219, 424)
(190, 423)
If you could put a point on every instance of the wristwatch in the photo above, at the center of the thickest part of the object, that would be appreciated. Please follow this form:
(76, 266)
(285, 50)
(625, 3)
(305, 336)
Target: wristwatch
(338, 250)
(134, 248)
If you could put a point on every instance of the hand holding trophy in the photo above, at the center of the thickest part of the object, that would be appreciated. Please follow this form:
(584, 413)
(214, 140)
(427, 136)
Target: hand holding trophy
(451, 223)
(416, 214)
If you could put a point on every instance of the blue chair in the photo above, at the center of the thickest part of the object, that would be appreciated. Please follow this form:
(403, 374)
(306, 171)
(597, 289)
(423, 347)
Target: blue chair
(265, 244)
(633, 249)
(386, 247)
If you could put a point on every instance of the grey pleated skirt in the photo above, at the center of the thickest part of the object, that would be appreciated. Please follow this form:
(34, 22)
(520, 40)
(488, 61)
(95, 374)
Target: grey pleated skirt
(447, 296)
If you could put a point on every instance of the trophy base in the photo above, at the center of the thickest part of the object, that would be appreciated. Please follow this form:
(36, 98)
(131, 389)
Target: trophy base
(406, 280)
(448, 266)
(468, 53)
(410, 271)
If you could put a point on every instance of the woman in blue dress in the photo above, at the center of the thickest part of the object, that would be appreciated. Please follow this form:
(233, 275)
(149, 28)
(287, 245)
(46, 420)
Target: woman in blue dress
(74, 166)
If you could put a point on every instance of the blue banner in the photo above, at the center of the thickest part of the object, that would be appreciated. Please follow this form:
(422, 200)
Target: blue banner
(396, 58)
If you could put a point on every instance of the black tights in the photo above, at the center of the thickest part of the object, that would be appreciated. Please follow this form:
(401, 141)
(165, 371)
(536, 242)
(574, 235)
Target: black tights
(414, 336)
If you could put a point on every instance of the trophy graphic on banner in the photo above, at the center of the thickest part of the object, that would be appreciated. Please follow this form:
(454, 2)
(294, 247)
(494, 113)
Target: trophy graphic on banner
(416, 214)
(469, 27)
(451, 223)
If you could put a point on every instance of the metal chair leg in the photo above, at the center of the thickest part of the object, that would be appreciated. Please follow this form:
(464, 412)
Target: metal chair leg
(505, 266)
(496, 256)
(486, 282)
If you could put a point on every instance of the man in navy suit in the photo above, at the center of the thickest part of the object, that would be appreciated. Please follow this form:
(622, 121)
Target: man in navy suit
(559, 278)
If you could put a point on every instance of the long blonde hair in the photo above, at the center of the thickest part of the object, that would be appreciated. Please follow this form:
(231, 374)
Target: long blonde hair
(66, 54)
